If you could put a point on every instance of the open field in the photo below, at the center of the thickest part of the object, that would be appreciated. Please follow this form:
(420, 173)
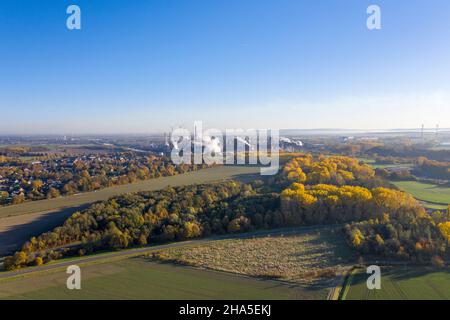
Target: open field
(402, 284)
(311, 257)
(20, 222)
(372, 163)
(129, 274)
(433, 206)
(137, 278)
(426, 192)
(395, 165)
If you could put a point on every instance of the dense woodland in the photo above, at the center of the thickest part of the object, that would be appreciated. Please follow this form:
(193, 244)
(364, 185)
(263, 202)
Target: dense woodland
(336, 170)
(432, 169)
(310, 190)
(420, 238)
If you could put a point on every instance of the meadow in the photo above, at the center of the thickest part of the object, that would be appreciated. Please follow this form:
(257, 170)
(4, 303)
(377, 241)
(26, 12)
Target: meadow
(138, 278)
(400, 283)
(436, 195)
(372, 163)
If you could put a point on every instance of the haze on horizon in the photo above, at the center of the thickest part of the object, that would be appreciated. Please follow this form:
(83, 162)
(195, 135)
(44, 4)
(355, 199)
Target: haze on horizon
(146, 66)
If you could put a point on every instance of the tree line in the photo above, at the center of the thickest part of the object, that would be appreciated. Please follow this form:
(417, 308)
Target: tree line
(310, 190)
(382, 221)
(421, 238)
(432, 169)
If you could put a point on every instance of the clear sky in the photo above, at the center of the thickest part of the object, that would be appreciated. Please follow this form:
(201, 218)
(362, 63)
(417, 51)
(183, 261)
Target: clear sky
(144, 65)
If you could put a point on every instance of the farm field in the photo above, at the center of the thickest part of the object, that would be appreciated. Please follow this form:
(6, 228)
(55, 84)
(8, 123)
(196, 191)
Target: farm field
(431, 193)
(311, 257)
(20, 222)
(402, 284)
(137, 278)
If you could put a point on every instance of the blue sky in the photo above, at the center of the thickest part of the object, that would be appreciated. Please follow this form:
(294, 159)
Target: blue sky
(142, 66)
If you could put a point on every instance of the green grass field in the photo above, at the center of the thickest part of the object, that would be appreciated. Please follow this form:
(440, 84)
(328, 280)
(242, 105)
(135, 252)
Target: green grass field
(402, 284)
(387, 166)
(434, 194)
(137, 278)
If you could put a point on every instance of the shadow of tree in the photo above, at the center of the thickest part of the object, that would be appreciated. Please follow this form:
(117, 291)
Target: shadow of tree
(12, 238)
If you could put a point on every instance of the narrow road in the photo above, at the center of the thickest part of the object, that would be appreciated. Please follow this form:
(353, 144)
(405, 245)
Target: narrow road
(149, 249)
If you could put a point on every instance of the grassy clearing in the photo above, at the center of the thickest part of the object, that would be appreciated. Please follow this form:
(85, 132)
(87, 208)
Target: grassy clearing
(137, 278)
(402, 284)
(427, 192)
(372, 163)
(387, 166)
(433, 206)
(366, 160)
(310, 258)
